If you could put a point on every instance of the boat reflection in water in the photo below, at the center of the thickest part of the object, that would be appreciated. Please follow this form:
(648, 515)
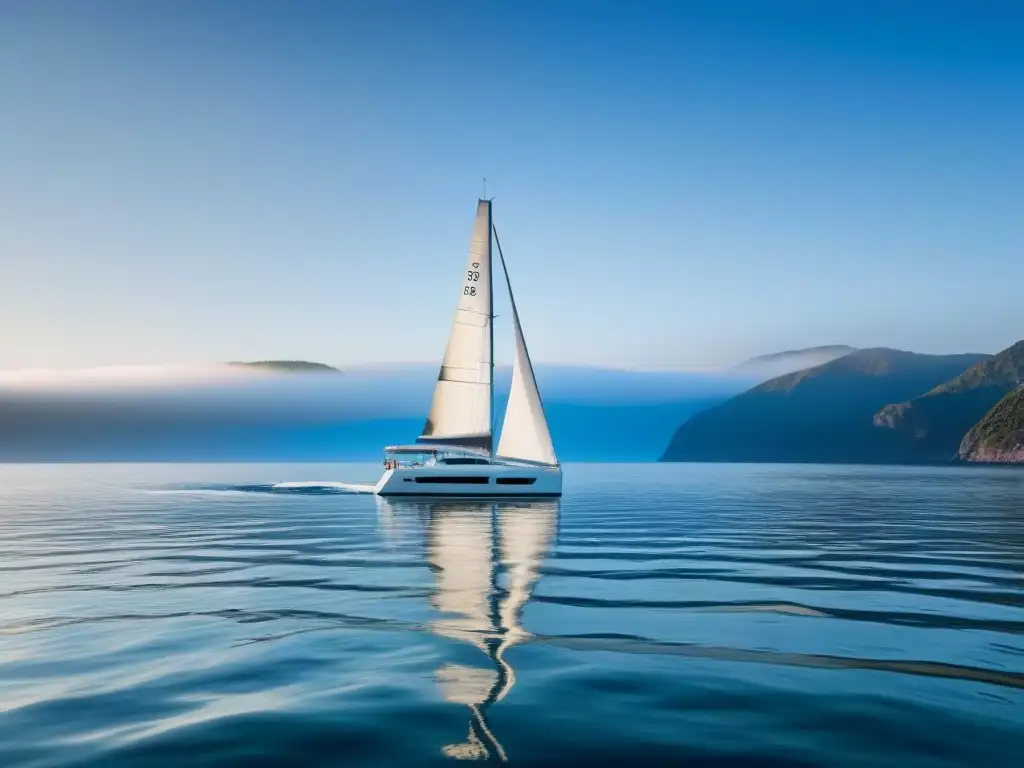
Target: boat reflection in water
(486, 557)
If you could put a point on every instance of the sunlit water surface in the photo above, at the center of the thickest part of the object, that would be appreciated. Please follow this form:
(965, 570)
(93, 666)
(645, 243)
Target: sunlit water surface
(757, 615)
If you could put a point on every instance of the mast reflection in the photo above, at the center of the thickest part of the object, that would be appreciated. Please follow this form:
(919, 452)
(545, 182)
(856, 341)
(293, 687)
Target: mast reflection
(486, 557)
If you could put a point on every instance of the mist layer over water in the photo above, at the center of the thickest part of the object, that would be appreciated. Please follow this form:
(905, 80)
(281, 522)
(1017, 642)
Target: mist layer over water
(230, 414)
(260, 614)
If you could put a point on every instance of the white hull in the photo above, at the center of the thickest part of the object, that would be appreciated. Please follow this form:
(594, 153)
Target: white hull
(476, 480)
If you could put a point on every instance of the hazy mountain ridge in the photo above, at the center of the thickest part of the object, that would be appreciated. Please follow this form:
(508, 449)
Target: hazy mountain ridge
(791, 360)
(999, 436)
(822, 414)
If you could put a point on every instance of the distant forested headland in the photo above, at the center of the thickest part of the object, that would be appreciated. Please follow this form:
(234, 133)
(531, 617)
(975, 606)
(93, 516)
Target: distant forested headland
(869, 406)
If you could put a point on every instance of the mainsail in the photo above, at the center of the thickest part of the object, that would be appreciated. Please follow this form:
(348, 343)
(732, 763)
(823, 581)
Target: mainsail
(460, 551)
(461, 411)
(524, 433)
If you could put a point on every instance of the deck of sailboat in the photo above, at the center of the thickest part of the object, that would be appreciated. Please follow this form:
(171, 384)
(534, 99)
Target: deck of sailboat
(457, 454)
(433, 449)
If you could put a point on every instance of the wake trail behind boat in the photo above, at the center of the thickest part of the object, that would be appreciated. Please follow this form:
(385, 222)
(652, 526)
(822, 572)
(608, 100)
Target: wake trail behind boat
(343, 487)
(298, 488)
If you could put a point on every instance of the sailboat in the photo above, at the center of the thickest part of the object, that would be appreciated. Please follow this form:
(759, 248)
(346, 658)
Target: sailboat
(455, 454)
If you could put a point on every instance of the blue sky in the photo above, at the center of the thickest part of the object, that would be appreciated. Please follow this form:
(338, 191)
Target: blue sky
(677, 184)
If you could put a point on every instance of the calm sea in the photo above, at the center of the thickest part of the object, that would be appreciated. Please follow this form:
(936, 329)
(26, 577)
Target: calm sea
(716, 615)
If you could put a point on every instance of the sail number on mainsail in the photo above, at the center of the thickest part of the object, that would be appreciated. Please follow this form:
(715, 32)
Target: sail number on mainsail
(472, 276)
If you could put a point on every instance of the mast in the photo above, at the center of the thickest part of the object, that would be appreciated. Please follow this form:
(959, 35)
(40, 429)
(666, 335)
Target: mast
(490, 302)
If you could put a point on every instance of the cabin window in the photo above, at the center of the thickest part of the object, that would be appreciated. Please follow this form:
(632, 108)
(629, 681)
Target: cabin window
(466, 480)
(516, 480)
(463, 461)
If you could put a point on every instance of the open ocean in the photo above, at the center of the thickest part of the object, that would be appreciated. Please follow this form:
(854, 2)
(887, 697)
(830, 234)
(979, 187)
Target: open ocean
(168, 615)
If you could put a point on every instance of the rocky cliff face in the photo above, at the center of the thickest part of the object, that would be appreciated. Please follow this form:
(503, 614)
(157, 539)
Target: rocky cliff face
(999, 437)
(934, 423)
(996, 456)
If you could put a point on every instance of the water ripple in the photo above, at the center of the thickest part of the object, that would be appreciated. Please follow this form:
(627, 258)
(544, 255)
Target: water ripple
(721, 615)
